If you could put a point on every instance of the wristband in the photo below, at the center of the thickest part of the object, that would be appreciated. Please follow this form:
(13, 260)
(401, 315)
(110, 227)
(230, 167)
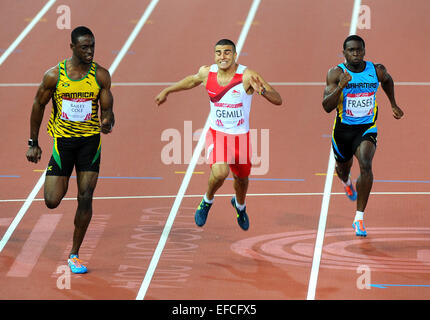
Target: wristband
(32, 143)
(262, 92)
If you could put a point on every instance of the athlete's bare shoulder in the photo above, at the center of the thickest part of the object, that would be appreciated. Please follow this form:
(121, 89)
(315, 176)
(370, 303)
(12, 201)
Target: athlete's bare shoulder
(381, 72)
(103, 76)
(50, 78)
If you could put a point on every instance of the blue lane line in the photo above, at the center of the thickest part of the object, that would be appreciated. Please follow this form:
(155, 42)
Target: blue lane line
(9, 176)
(384, 286)
(271, 179)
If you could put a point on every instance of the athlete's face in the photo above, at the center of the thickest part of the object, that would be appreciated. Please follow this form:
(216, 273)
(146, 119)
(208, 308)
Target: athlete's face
(354, 52)
(225, 56)
(83, 49)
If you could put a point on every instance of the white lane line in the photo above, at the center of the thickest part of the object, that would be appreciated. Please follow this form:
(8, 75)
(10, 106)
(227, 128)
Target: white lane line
(6, 221)
(133, 36)
(27, 29)
(313, 279)
(162, 84)
(165, 234)
(112, 69)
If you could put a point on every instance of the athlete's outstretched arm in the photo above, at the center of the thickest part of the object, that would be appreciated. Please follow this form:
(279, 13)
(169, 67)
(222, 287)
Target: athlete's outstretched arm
(107, 116)
(43, 95)
(253, 81)
(335, 82)
(187, 83)
(388, 87)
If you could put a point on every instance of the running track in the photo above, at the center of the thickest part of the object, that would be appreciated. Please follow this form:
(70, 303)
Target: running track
(292, 44)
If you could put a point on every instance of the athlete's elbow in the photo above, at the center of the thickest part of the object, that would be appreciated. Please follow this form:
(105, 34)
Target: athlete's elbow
(326, 107)
(278, 102)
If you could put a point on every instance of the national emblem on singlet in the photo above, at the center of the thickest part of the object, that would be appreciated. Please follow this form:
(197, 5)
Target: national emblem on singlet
(75, 105)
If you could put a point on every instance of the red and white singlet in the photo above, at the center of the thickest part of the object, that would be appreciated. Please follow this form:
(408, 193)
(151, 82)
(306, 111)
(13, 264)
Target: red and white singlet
(230, 105)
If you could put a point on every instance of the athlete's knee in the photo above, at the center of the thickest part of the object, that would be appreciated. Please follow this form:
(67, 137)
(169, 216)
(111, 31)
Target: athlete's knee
(85, 198)
(52, 202)
(220, 173)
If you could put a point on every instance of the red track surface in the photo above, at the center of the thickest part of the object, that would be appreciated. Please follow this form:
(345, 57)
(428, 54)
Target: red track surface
(290, 41)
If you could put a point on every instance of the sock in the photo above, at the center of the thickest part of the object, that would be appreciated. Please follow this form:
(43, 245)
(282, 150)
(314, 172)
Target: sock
(359, 215)
(348, 183)
(207, 200)
(239, 206)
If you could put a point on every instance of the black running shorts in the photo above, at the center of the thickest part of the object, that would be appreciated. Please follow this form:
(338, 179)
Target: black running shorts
(81, 153)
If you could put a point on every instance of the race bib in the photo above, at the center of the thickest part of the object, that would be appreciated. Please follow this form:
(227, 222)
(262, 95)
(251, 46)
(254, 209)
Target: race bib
(360, 104)
(228, 115)
(76, 109)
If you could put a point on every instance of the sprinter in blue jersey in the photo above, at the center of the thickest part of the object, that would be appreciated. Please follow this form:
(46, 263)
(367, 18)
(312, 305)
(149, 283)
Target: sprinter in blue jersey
(351, 89)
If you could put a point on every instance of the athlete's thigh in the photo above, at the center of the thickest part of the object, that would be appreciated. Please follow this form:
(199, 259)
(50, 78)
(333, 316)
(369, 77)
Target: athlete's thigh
(365, 152)
(87, 181)
(55, 188)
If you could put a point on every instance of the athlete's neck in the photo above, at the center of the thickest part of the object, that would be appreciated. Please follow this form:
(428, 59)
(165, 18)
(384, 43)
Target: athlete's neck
(359, 67)
(78, 64)
(229, 71)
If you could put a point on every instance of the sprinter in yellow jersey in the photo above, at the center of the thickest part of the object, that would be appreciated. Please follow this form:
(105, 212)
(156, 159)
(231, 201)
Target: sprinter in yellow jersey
(77, 86)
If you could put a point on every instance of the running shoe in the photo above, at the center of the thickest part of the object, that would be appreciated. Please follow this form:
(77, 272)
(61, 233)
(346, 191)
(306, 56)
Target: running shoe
(350, 192)
(242, 217)
(76, 265)
(202, 213)
(359, 228)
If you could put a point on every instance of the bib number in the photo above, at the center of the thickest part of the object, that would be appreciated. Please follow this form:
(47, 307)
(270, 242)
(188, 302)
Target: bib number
(360, 104)
(76, 109)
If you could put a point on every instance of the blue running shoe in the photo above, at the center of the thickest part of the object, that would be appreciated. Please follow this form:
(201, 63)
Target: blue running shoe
(242, 217)
(202, 213)
(76, 265)
(350, 192)
(359, 228)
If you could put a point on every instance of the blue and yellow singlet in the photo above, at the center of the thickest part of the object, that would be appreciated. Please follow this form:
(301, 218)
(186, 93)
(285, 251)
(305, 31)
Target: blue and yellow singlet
(357, 103)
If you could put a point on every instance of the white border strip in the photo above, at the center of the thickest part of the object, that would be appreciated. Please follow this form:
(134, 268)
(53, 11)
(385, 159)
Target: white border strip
(162, 242)
(162, 84)
(112, 69)
(24, 33)
(327, 191)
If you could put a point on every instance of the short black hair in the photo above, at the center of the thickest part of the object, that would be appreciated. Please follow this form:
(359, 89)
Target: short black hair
(226, 42)
(353, 37)
(80, 31)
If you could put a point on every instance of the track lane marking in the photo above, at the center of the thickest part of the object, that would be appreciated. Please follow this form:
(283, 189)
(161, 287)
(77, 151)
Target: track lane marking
(316, 260)
(26, 31)
(188, 174)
